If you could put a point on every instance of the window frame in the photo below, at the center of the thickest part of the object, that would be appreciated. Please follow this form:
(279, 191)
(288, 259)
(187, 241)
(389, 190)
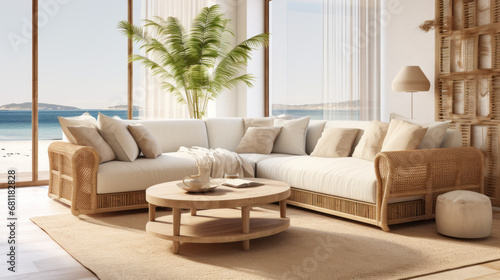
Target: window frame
(34, 95)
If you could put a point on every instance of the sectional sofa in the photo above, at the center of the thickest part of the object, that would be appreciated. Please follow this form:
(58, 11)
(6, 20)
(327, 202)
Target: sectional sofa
(397, 187)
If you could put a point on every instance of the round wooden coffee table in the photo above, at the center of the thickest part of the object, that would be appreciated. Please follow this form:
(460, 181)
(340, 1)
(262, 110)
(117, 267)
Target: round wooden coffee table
(220, 221)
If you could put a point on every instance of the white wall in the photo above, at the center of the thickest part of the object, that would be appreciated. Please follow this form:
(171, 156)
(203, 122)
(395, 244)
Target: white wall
(403, 44)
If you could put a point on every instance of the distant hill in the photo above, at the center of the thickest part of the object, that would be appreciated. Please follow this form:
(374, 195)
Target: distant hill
(344, 105)
(122, 107)
(41, 106)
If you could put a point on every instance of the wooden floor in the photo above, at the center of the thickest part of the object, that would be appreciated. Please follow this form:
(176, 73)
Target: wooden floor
(39, 257)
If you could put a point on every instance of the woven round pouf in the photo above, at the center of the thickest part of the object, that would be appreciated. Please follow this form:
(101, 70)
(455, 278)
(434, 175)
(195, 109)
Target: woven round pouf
(464, 214)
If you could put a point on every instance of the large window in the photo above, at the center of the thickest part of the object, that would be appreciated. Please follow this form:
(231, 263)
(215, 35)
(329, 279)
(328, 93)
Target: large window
(15, 87)
(82, 66)
(325, 59)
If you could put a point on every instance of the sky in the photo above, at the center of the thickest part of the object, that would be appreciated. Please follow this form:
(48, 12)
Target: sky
(82, 55)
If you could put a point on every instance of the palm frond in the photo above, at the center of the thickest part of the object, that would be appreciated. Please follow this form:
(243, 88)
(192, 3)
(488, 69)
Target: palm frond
(205, 35)
(136, 33)
(194, 66)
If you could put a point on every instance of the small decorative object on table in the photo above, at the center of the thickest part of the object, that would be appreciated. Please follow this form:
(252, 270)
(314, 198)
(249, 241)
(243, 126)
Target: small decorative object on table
(240, 183)
(200, 182)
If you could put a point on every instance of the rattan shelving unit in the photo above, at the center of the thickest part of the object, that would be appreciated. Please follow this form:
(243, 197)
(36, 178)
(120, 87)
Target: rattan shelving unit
(467, 82)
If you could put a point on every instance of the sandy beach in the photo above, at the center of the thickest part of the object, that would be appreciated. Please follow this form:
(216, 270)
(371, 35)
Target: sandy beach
(18, 154)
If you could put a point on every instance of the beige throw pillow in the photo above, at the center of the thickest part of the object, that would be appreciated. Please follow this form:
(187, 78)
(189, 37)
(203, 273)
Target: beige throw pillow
(85, 119)
(403, 135)
(372, 140)
(89, 136)
(436, 131)
(335, 142)
(258, 140)
(292, 138)
(148, 144)
(114, 131)
(257, 122)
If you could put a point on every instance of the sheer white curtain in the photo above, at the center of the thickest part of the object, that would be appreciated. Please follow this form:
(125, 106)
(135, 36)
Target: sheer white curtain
(325, 59)
(157, 103)
(351, 51)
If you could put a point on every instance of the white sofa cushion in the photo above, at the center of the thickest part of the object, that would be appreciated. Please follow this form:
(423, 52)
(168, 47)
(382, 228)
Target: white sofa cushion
(257, 122)
(314, 131)
(85, 119)
(292, 138)
(224, 133)
(351, 178)
(371, 142)
(89, 136)
(120, 176)
(172, 134)
(402, 135)
(435, 134)
(254, 159)
(335, 142)
(116, 134)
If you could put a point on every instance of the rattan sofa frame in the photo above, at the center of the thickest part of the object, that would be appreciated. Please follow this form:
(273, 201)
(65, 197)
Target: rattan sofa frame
(418, 174)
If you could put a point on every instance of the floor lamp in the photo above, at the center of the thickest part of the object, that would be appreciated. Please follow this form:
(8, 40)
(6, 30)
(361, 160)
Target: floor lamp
(411, 79)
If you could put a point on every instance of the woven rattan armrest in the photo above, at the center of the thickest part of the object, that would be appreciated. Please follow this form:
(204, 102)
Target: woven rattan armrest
(73, 175)
(426, 172)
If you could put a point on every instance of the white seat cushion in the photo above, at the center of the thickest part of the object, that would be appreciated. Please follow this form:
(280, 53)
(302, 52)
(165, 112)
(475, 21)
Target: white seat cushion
(253, 159)
(120, 176)
(351, 178)
(256, 158)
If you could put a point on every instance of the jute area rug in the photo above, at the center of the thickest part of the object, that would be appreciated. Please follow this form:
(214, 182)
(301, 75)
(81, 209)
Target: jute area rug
(316, 246)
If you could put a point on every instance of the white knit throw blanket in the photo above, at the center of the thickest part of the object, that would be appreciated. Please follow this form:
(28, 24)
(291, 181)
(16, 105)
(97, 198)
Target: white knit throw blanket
(222, 161)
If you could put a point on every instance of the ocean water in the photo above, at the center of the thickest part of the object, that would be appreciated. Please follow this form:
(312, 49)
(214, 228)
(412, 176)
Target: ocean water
(16, 124)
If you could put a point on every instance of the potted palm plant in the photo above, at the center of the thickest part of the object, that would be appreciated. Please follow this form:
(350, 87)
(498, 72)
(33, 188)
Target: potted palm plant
(194, 66)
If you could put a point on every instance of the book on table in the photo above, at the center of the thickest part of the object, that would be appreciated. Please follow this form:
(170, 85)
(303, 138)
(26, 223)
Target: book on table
(240, 183)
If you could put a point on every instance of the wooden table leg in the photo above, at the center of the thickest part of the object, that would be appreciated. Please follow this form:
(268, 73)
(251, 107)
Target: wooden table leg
(176, 212)
(152, 212)
(193, 212)
(245, 225)
(283, 208)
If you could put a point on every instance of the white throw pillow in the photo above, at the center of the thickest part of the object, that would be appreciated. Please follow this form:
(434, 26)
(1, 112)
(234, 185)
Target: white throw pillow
(85, 119)
(403, 135)
(116, 134)
(335, 142)
(89, 136)
(292, 138)
(258, 140)
(372, 140)
(436, 131)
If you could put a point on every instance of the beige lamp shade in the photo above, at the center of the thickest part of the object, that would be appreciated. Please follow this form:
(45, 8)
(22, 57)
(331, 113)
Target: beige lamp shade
(411, 78)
